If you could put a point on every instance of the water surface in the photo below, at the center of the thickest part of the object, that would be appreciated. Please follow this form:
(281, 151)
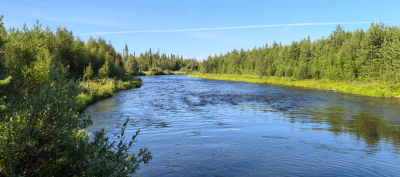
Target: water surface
(196, 127)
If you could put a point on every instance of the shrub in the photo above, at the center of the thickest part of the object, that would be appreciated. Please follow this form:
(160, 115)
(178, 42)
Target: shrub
(141, 73)
(44, 136)
(168, 72)
(156, 71)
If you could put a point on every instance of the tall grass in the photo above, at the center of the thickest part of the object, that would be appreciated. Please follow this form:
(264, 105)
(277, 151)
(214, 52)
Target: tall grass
(158, 71)
(97, 89)
(355, 87)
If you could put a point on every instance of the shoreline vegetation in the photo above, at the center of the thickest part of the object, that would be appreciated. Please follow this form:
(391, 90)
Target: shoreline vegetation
(98, 89)
(148, 73)
(158, 71)
(374, 89)
(365, 62)
(47, 79)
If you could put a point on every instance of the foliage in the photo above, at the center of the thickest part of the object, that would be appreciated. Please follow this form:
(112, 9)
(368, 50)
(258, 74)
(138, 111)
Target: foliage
(141, 73)
(168, 72)
(43, 136)
(372, 56)
(41, 129)
(131, 66)
(88, 74)
(27, 54)
(3, 83)
(163, 61)
(104, 71)
(355, 87)
(156, 71)
(93, 90)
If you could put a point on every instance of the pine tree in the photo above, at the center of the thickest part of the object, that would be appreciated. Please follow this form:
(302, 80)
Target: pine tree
(126, 51)
(104, 71)
(370, 51)
(88, 74)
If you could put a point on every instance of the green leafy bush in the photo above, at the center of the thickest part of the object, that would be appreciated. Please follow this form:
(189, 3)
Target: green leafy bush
(156, 71)
(141, 73)
(44, 136)
(168, 72)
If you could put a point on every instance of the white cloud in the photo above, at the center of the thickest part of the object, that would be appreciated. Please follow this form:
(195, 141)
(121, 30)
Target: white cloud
(227, 28)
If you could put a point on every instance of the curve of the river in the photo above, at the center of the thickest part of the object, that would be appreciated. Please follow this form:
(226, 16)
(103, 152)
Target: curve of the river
(196, 127)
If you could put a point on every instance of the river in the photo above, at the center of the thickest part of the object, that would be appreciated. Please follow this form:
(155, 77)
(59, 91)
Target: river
(197, 127)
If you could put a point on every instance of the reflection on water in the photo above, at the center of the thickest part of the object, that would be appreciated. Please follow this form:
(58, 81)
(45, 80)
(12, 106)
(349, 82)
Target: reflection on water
(197, 127)
(369, 124)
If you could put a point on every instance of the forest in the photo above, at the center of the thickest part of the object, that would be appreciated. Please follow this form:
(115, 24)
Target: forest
(28, 55)
(371, 55)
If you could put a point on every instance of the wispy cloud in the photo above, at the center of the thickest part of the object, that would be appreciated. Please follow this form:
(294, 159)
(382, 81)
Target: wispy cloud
(226, 28)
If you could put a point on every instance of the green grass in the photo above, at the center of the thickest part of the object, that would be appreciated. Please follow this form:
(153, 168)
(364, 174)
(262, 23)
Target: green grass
(149, 73)
(355, 87)
(95, 90)
(179, 72)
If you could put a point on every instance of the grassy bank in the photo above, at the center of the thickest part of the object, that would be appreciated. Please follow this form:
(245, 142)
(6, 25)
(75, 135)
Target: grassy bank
(149, 73)
(355, 87)
(179, 72)
(95, 90)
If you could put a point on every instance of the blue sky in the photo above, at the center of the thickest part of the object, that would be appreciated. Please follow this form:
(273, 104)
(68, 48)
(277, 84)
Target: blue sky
(164, 24)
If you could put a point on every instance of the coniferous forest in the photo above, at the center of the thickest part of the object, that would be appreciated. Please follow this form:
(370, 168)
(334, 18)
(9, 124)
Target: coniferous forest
(371, 55)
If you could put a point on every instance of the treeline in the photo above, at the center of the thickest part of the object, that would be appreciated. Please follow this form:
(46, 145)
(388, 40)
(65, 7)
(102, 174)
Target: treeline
(371, 55)
(28, 55)
(171, 62)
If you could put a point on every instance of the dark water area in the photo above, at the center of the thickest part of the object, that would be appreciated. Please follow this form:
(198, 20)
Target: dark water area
(196, 127)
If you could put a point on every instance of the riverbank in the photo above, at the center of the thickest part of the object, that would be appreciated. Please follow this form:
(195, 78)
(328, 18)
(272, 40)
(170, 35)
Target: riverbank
(149, 73)
(98, 89)
(355, 87)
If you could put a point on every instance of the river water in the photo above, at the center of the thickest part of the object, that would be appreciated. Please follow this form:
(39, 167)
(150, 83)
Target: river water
(197, 127)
